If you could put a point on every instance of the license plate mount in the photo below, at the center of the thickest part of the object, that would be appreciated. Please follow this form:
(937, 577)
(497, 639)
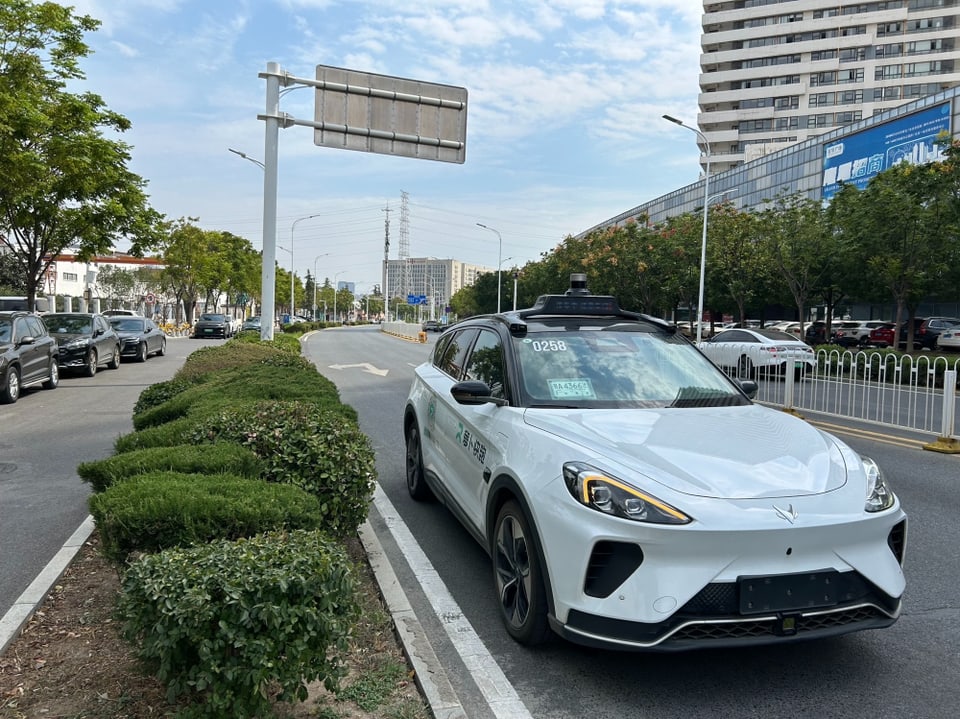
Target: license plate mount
(788, 592)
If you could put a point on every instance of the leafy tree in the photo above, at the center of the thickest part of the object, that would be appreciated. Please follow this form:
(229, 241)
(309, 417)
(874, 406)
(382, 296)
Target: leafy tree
(62, 182)
(13, 280)
(116, 283)
(803, 249)
(738, 256)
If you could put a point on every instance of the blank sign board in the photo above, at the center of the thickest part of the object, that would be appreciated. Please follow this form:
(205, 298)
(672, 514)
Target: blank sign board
(390, 115)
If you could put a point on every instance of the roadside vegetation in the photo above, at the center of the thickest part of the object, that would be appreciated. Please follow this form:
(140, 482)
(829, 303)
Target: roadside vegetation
(234, 541)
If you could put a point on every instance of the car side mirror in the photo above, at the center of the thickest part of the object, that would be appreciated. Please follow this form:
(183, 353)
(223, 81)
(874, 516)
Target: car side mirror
(474, 392)
(749, 387)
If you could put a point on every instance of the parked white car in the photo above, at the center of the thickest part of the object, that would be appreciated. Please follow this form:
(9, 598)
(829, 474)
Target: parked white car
(949, 339)
(748, 350)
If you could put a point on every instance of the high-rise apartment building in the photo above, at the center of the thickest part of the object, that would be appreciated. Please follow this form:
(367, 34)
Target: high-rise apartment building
(436, 279)
(776, 72)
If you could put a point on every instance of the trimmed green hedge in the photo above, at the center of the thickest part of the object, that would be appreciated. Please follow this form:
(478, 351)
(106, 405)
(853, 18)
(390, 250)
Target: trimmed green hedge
(231, 624)
(155, 511)
(308, 446)
(221, 458)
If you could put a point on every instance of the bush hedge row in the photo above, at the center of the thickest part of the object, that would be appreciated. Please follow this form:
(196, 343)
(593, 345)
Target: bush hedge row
(223, 508)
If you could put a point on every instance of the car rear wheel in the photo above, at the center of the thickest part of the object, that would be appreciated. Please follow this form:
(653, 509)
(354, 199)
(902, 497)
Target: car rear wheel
(142, 352)
(518, 577)
(90, 363)
(163, 348)
(54, 379)
(10, 391)
(416, 485)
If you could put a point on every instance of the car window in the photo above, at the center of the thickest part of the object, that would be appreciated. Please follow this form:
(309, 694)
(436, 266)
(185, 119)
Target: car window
(20, 328)
(72, 324)
(4, 330)
(455, 352)
(36, 327)
(486, 363)
(127, 324)
(614, 367)
(735, 336)
(213, 318)
(776, 335)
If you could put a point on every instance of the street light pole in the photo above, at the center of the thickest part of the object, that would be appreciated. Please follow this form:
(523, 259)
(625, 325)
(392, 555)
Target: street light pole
(292, 266)
(706, 204)
(499, 261)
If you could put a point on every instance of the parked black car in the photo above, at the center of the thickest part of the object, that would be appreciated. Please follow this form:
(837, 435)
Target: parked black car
(432, 326)
(139, 337)
(28, 355)
(930, 329)
(212, 325)
(86, 340)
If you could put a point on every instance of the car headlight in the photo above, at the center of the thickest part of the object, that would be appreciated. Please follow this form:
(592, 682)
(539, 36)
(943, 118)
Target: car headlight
(599, 491)
(76, 344)
(879, 496)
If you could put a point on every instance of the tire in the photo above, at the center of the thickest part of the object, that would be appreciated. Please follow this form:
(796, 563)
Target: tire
(745, 368)
(10, 391)
(91, 364)
(114, 362)
(163, 348)
(518, 577)
(54, 381)
(416, 485)
(142, 352)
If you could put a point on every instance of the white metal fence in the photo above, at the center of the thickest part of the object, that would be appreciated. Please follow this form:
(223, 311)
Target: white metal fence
(917, 393)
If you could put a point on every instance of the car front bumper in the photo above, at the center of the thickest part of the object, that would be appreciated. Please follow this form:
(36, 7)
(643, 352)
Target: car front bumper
(628, 586)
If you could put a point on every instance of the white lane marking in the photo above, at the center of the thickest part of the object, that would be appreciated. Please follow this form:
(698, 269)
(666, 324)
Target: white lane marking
(366, 366)
(490, 679)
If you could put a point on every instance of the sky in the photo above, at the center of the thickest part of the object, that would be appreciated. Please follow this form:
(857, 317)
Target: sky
(565, 100)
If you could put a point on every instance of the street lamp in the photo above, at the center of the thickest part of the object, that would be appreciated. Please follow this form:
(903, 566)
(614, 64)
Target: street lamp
(267, 274)
(292, 267)
(325, 254)
(499, 261)
(281, 247)
(248, 158)
(706, 204)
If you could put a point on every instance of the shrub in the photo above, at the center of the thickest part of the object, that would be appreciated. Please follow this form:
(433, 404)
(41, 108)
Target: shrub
(232, 623)
(210, 361)
(157, 394)
(164, 435)
(221, 458)
(311, 447)
(158, 510)
(282, 376)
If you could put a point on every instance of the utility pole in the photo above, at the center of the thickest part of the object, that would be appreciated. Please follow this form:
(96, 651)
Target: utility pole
(386, 263)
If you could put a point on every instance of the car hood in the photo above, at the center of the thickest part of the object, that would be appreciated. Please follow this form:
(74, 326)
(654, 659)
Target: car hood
(745, 452)
(62, 337)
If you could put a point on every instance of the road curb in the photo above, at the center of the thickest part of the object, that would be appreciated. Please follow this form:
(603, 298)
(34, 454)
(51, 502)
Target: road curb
(428, 672)
(21, 611)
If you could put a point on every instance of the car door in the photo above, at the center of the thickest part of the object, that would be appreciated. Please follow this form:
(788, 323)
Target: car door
(440, 413)
(33, 355)
(104, 337)
(480, 436)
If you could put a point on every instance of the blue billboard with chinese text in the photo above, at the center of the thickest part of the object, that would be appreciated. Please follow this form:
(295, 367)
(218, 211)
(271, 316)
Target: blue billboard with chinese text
(857, 158)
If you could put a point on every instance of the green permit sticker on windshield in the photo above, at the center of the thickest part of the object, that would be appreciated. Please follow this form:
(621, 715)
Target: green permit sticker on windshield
(571, 389)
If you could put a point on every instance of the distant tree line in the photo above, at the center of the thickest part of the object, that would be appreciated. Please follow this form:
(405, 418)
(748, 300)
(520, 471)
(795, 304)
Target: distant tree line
(896, 242)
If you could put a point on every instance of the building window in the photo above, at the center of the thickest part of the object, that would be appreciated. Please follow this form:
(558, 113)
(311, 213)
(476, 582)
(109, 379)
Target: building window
(70, 277)
(889, 28)
(886, 93)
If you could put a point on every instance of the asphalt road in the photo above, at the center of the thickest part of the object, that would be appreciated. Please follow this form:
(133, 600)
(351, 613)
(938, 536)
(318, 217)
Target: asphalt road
(43, 437)
(909, 670)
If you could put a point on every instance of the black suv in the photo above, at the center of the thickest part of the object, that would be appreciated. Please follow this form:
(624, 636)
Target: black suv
(930, 329)
(28, 355)
(85, 340)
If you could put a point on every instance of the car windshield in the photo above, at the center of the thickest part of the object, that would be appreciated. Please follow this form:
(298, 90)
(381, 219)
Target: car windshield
(213, 318)
(70, 324)
(618, 366)
(775, 335)
(125, 324)
(5, 330)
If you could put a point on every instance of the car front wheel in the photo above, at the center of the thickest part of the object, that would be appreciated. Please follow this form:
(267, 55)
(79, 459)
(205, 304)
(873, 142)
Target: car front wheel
(518, 577)
(91, 363)
(10, 391)
(54, 379)
(416, 485)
